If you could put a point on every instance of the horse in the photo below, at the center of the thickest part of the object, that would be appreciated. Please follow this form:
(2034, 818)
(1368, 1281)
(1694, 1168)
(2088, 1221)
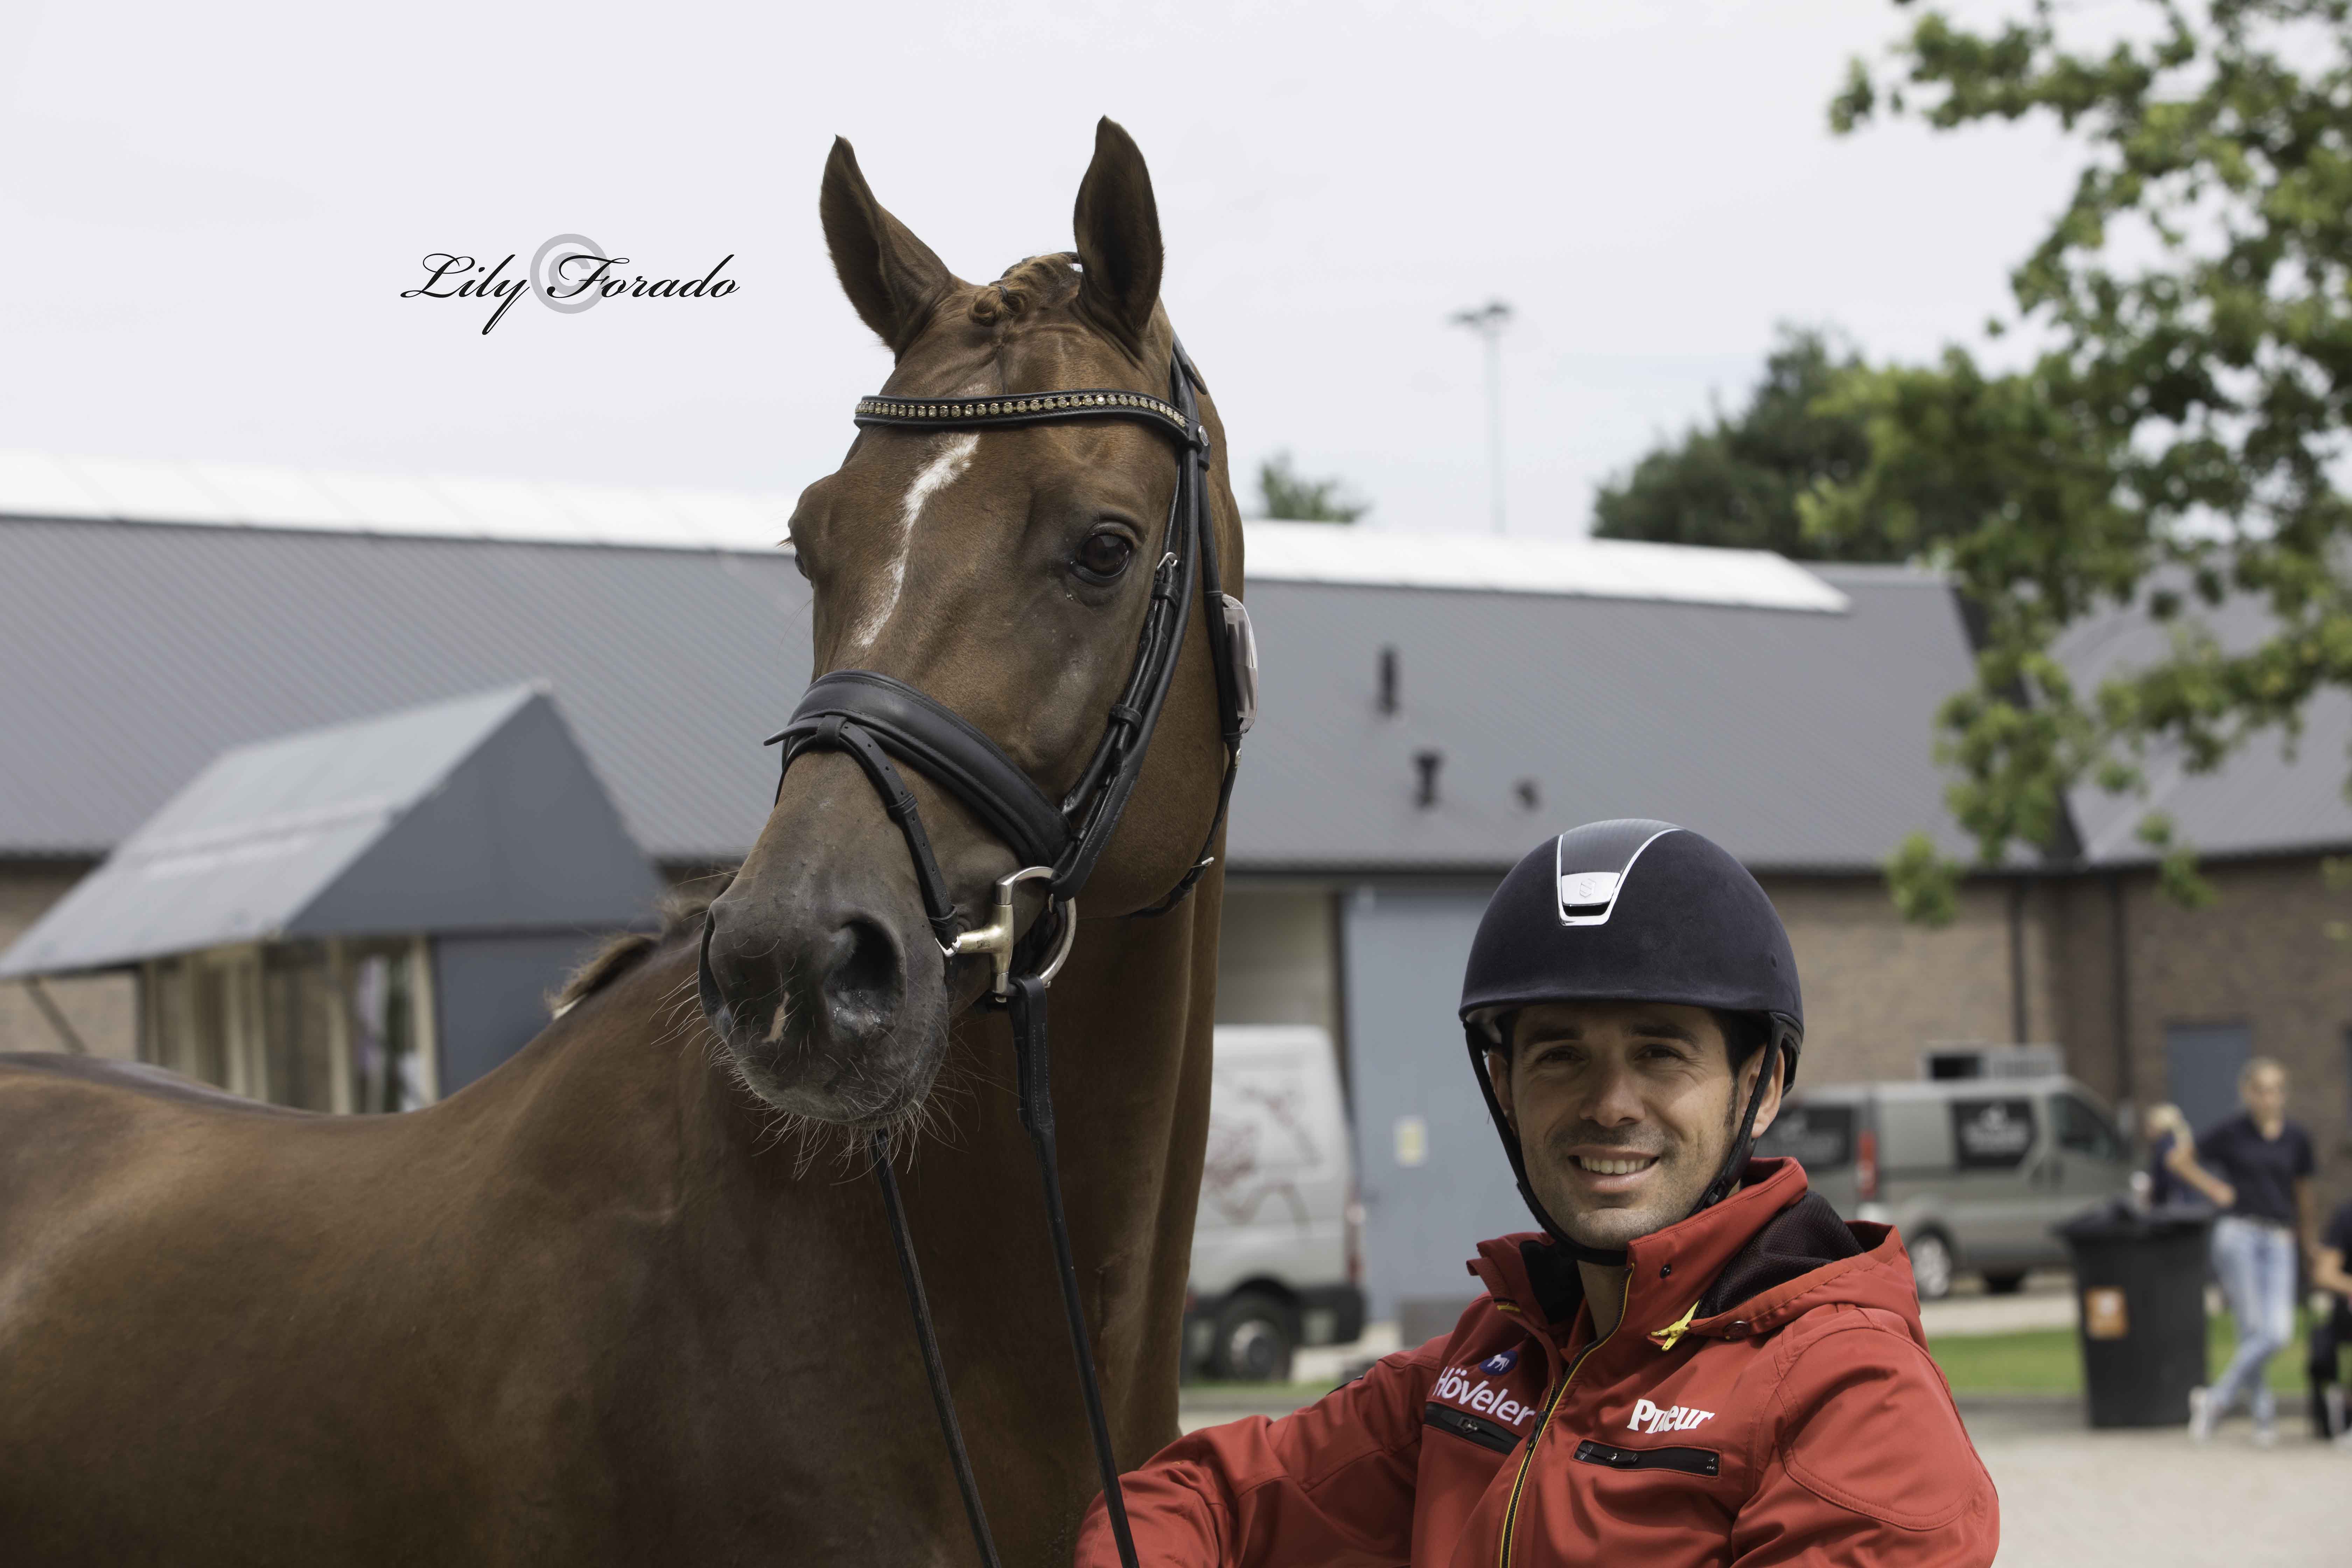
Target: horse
(631, 1297)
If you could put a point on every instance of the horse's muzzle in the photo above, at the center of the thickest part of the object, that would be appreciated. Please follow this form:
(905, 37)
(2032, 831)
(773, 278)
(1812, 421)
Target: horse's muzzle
(816, 1011)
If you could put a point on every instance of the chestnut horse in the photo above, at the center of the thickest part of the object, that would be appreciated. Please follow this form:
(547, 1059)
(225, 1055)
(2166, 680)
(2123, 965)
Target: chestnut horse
(603, 1306)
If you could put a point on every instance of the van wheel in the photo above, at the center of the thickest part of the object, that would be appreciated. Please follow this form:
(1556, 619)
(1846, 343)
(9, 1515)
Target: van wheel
(1931, 1265)
(2005, 1284)
(1254, 1340)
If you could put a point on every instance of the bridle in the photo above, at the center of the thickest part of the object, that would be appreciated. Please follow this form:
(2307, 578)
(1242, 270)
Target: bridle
(880, 722)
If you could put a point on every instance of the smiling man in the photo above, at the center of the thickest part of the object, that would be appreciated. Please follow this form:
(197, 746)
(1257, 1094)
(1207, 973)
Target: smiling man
(1694, 1362)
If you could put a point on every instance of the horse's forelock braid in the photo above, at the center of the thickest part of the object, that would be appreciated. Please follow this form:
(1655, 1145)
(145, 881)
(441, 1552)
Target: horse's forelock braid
(1038, 281)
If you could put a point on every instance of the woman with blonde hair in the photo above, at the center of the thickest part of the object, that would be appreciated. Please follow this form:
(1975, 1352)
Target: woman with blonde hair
(2256, 1167)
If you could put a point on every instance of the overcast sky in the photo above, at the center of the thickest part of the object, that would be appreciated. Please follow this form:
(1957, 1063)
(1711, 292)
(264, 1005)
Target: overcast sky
(210, 212)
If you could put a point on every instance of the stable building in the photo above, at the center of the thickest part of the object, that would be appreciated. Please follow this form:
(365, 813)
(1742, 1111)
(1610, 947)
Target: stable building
(362, 917)
(1431, 706)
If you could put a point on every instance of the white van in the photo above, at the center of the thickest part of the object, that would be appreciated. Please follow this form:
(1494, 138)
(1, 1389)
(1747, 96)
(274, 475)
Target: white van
(1277, 1258)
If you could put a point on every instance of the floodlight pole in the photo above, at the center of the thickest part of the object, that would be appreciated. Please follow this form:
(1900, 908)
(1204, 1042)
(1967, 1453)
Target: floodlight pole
(1488, 321)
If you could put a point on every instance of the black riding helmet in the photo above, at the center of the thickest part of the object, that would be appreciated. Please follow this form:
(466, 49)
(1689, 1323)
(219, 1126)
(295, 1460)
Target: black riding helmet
(1631, 910)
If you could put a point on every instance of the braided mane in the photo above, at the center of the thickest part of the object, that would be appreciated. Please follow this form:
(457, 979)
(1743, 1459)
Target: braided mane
(1039, 281)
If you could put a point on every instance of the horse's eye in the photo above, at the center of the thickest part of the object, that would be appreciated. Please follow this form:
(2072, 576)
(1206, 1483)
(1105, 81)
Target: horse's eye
(1105, 555)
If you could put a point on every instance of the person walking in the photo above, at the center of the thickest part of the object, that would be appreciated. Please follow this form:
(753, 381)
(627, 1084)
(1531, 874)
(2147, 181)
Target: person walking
(1694, 1362)
(2256, 1167)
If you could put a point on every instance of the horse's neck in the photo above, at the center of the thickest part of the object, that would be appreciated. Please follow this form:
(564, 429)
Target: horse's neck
(747, 1278)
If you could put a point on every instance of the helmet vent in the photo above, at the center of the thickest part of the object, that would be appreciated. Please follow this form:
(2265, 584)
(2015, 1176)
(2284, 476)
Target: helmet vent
(1586, 893)
(1590, 866)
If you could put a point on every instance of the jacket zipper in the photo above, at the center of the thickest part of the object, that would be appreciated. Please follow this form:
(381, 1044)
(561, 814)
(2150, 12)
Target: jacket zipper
(1519, 1483)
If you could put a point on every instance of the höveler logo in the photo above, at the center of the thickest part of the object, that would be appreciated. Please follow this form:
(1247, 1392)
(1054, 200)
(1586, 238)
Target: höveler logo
(1498, 1363)
(1481, 1396)
(568, 273)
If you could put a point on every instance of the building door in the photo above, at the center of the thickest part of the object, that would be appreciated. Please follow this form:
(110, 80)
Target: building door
(1434, 1178)
(2203, 1061)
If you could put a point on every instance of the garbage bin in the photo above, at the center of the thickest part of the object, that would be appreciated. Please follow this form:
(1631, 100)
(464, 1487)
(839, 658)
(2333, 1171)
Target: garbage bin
(2140, 1294)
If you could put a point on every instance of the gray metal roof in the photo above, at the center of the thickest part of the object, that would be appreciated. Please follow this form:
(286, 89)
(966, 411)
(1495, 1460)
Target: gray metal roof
(131, 652)
(2270, 797)
(469, 815)
(1797, 740)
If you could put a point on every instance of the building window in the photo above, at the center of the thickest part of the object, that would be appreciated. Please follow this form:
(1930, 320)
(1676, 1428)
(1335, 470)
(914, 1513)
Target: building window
(203, 1017)
(302, 1066)
(2085, 1131)
(387, 1067)
(330, 1026)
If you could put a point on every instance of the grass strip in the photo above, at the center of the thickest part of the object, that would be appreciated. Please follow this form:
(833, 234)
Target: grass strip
(2050, 1361)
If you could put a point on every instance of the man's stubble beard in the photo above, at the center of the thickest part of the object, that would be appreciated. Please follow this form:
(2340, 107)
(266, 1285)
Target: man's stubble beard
(1686, 1176)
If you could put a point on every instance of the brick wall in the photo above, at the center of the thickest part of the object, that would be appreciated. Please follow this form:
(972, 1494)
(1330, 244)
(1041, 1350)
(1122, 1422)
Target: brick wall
(2261, 955)
(1879, 991)
(103, 1011)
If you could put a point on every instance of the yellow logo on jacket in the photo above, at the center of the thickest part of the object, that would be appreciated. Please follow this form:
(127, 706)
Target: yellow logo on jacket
(1669, 1336)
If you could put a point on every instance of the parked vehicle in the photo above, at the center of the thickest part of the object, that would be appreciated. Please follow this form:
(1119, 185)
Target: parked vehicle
(1277, 1255)
(1973, 1171)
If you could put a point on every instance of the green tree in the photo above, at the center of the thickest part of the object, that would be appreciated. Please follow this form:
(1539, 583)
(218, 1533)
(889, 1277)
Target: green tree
(1736, 483)
(1284, 494)
(2179, 439)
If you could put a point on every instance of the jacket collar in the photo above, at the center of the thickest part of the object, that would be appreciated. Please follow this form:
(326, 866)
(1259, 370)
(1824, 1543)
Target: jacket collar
(1667, 1270)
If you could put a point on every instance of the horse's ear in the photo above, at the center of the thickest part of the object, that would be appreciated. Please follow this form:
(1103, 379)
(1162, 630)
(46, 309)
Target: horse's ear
(1118, 238)
(892, 279)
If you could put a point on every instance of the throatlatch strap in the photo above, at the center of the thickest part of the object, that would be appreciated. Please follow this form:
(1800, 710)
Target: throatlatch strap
(1026, 1004)
(1202, 861)
(933, 1367)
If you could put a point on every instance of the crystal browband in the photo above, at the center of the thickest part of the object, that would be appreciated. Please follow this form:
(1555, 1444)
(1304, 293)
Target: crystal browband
(1027, 410)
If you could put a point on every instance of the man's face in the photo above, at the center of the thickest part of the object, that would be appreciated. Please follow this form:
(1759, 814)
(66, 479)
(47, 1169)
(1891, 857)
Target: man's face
(1625, 1112)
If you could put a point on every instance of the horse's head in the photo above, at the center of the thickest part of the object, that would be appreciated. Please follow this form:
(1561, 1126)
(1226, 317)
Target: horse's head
(1006, 573)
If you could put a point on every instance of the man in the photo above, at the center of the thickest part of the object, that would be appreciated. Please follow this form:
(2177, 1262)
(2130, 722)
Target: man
(1696, 1361)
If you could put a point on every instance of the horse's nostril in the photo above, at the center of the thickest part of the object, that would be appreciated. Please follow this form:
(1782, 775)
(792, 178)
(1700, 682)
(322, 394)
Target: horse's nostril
(863, 981)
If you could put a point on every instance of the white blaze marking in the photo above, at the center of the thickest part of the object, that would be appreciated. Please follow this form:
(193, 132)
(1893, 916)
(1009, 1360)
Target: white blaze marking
(942, 472)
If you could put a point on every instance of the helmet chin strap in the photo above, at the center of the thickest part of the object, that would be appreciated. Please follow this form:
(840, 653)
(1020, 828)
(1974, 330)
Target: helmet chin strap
(1735, 1160)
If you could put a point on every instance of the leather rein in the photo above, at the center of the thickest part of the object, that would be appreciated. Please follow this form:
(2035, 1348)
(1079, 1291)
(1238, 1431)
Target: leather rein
(879, 722)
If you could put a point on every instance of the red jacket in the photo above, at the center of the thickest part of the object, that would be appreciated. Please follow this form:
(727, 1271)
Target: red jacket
(1766, 1398)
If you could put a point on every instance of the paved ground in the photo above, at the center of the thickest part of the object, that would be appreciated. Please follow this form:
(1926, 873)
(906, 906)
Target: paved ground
(2072, 1498)
(2046, 1303)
